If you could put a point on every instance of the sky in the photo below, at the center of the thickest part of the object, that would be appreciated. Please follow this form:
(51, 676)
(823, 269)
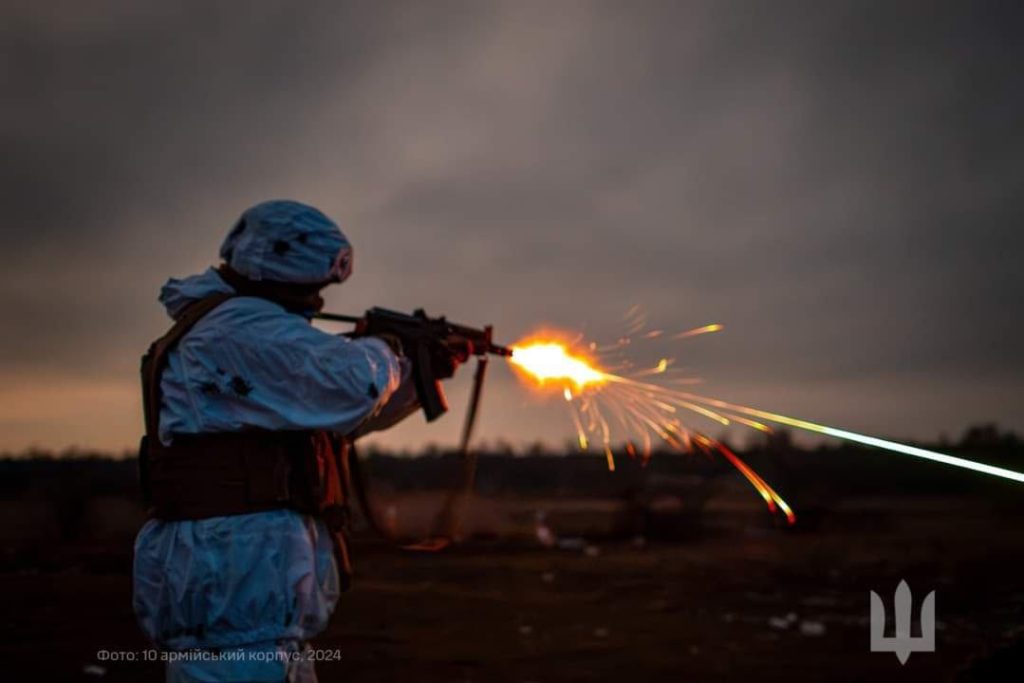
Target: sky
(839, 184)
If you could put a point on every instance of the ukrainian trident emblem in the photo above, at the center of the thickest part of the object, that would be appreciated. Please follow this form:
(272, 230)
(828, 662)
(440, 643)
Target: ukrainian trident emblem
(902, 643)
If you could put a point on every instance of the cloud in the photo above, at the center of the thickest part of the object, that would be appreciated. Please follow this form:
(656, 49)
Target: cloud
(838, 184)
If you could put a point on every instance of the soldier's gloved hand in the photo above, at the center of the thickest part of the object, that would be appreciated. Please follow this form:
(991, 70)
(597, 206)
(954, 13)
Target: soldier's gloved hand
(393, 342)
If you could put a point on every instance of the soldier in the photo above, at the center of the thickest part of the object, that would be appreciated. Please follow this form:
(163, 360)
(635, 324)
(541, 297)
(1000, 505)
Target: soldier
(243, 558)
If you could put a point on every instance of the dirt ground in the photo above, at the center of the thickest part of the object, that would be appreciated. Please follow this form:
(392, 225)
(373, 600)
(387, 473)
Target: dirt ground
(754, 603)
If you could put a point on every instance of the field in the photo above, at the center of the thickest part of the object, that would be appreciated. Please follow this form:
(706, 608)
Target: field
(732, 596)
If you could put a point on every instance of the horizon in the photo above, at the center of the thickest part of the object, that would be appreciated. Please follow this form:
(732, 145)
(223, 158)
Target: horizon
(983, 435)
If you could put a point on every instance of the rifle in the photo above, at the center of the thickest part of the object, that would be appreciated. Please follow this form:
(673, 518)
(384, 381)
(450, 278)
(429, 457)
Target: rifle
(431, 344)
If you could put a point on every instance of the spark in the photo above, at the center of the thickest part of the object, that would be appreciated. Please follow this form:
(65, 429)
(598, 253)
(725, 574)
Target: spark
(644, 408)
(658, 369)
(707, 329)
(592, 392)
(772, 498)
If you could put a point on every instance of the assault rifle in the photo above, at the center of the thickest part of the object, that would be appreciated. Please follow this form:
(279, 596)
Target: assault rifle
(431, 344)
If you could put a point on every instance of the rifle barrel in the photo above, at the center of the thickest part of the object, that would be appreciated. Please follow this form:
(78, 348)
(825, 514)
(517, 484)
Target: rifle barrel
(338, 317)
(500, 350)
(342, 318)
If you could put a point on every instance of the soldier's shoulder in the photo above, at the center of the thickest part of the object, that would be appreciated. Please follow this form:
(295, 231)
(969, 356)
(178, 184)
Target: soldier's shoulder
(246, 317)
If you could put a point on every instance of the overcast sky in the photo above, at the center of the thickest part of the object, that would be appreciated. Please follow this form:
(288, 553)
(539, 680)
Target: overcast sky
(840, 184)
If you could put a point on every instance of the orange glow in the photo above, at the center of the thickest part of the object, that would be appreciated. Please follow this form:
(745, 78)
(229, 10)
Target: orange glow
(600, 401)
(548, 360)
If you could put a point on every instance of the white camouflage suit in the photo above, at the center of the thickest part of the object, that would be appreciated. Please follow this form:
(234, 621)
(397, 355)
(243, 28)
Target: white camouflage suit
(262, 584)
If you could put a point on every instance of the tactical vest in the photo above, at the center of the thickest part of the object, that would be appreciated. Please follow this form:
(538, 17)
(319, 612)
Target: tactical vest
(198, 476)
